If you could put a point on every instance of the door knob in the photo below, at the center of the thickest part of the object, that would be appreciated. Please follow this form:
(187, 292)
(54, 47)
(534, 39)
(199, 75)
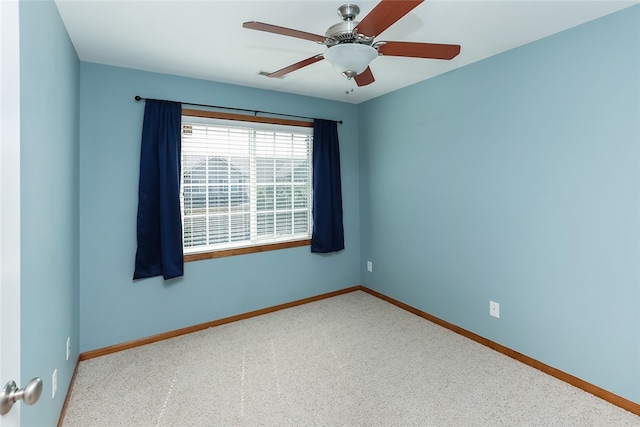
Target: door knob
(11, 394)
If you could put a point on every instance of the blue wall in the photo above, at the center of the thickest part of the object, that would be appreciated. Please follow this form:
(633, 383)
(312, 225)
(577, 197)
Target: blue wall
(113, 308)
(517, 179)
(49, 234)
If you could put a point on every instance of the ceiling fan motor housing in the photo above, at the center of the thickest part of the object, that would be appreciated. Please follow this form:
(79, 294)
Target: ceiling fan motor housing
(342, 32)
(345, 31)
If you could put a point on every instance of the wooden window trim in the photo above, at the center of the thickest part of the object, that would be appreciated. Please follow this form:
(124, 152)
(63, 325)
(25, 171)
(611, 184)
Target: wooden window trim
(245, 118)
(248, 249)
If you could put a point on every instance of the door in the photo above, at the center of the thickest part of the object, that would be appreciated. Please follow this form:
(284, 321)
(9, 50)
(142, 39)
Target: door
(10, 202)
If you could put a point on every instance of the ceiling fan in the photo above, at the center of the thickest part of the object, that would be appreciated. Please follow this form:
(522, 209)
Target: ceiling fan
(351, 46)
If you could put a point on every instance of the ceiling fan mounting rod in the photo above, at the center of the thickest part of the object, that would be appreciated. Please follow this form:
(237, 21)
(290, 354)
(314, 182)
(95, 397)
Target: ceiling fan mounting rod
(348, 12)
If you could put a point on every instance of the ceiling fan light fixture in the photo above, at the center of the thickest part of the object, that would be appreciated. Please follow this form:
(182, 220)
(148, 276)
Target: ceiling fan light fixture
(350, 59)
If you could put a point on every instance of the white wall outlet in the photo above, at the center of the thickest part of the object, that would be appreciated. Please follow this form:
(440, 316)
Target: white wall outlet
(369, 266)
(494, 309)
(68, 347)
(54, 383)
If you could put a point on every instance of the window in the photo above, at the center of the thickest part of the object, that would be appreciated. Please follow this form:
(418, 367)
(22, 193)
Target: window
(244, 184)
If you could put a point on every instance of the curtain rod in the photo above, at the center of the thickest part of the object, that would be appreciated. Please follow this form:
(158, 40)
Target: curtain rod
(255, 112)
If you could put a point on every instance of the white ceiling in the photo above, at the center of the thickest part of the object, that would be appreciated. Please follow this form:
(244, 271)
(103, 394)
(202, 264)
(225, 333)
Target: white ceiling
(205, 39)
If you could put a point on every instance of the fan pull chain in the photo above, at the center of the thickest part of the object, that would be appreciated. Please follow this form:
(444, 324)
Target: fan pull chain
(349, 86)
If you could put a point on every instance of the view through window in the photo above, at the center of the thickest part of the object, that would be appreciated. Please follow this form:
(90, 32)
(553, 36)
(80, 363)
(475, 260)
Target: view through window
(244, 183)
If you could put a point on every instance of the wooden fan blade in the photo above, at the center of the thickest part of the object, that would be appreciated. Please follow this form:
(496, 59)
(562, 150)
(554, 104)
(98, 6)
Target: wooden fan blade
(261, 26)
(296, 66)
(364, 78)
(385, 14)
(420, 50)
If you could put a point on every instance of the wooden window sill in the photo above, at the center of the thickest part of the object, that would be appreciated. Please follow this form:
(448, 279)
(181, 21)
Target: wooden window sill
(247, 250)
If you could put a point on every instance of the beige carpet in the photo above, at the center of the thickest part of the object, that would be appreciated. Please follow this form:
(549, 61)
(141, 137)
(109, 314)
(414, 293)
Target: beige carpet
(351, 360)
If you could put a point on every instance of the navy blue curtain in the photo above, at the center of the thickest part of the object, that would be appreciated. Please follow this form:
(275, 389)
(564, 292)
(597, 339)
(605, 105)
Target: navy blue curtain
(159, 224)
(328, 232)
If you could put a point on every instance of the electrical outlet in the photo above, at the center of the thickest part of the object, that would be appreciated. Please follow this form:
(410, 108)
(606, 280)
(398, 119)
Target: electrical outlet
(369, 266)
(54, 383)
(68, 347)
(494, 309)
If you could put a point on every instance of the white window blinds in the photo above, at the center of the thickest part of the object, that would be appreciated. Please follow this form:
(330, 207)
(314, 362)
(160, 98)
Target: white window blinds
(244, 184)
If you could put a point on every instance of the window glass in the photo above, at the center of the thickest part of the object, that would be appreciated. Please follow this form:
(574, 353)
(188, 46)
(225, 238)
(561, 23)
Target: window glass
(244, 184)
